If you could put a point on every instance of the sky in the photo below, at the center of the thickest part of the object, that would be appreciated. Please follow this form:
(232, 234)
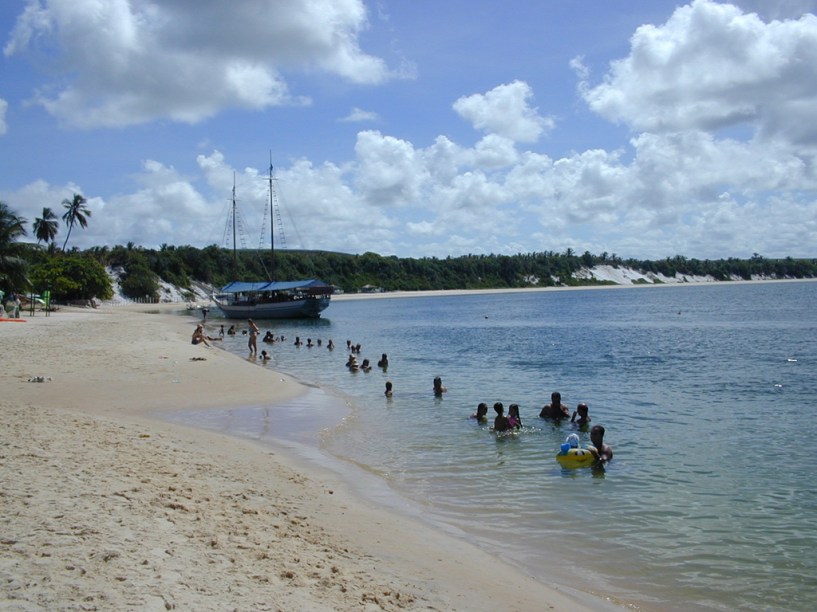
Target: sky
(636, 128)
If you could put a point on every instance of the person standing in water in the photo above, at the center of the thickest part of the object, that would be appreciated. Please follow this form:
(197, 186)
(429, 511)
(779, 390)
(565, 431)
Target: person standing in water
(555, 410)
(501, 422)
(584, 416)
(601, 451)
(514, 420)
(252, 340)
(438, 387)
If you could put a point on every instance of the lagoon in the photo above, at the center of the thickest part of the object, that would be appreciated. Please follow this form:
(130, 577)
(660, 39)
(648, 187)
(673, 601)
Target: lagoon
(707, 394)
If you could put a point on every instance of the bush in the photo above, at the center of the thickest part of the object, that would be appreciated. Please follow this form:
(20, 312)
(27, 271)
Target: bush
(72, 277)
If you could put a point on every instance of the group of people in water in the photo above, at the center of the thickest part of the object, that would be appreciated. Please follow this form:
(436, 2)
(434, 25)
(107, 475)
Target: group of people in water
(556, 411)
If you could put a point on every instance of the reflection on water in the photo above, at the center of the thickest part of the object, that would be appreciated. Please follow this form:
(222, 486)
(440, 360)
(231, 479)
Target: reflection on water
(705, 393)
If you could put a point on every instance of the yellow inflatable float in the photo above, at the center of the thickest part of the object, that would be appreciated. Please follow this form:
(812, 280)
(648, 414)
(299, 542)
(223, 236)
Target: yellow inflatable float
(572, 456)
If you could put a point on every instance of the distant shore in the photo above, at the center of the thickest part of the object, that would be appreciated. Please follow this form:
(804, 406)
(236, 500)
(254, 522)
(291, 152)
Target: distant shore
(105, 506)
(455, 292)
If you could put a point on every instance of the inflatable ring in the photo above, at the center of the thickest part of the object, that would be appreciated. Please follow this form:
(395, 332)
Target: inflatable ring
(576, 458)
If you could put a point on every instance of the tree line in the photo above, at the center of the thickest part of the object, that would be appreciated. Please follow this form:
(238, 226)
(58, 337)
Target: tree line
(82, 274)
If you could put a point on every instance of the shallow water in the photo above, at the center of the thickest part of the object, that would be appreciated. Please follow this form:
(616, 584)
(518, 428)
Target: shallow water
(707, 394)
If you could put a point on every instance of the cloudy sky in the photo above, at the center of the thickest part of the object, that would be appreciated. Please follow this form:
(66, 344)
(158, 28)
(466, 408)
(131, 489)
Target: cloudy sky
(643, 128)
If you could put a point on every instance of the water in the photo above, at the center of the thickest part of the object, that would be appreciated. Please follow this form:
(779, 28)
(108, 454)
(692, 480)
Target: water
(707, 394)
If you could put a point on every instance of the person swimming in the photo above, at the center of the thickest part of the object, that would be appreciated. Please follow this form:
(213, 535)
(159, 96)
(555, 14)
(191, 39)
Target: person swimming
(481, 415)
(438, 387)
(389, 389)
(384, 361)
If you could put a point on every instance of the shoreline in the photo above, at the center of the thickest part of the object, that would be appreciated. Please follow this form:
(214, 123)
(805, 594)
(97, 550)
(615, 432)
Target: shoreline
(460, 292)
(140, 511)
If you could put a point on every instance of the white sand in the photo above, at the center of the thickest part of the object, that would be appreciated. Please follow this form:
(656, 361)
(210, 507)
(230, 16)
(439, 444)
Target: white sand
(104, 507)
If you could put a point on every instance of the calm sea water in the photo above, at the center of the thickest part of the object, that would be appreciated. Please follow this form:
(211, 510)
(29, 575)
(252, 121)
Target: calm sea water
(707, 394)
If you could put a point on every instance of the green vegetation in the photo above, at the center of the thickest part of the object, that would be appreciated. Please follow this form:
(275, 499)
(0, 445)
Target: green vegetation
(81, 274)
(214, 266)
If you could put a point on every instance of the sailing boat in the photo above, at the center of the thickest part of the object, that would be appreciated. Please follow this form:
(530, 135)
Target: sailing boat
(304, 299)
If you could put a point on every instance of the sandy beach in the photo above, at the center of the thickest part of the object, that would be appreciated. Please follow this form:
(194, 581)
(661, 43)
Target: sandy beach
(107, 506)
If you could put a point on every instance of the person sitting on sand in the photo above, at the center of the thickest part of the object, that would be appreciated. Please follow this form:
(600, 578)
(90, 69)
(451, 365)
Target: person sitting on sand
(199, 337)
(388, 392)
(584, 417)
(601, 451)
(481, 415)
(501, 422)
(514, 420)
(384, 361)
(555, 410)
(438, 387)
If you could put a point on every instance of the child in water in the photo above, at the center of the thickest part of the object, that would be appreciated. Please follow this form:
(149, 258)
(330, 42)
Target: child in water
(388, 392)
(501, 421)
(438, 387)
(481, 415)
(584, 417)
(514, 420)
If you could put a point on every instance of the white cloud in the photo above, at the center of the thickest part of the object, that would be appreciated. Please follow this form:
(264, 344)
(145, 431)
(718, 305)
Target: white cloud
(505, 111)
(389, 171)
(3, 108)
(130, 62)
(358, 115)
(710, 66)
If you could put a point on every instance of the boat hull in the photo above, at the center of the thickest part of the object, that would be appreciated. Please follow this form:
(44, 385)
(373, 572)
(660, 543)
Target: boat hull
(303, 308)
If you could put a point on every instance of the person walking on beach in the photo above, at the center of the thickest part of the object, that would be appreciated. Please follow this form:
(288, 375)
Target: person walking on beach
(555, 410)
(252, 341)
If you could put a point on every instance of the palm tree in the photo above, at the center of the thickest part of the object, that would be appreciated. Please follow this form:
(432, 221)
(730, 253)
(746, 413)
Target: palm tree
(46, 227)
(12, 265)
(75, 212)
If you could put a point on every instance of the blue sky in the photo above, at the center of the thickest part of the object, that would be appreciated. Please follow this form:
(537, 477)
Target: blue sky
(641, 128)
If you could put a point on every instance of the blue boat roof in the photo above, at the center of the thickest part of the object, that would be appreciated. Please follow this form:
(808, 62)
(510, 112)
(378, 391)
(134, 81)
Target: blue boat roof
(243, 287)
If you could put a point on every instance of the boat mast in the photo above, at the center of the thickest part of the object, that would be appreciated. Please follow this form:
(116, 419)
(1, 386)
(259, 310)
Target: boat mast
(235, 254)
(271, 224)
